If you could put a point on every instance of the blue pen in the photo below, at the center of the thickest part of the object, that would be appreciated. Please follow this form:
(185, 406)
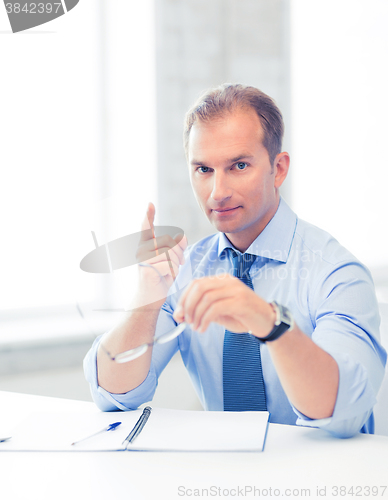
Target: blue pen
(110, 427)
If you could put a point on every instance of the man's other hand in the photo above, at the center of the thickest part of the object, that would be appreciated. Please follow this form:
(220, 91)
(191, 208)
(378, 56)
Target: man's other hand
(225, 300)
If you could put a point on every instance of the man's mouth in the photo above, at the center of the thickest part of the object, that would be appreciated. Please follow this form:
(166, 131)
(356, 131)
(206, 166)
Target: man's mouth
(226, 209)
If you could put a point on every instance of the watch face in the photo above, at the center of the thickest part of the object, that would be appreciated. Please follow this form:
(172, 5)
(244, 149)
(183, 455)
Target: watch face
(285, 315)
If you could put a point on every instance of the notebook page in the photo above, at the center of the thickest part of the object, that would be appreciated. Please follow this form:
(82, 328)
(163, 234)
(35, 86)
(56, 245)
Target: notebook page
(169, 430)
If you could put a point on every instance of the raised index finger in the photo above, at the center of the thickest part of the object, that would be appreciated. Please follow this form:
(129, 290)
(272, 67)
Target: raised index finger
(147, 232)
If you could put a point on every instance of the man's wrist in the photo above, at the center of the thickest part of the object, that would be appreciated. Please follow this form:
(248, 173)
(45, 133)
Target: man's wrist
(280, 319)
(267, 321)
(146, 300)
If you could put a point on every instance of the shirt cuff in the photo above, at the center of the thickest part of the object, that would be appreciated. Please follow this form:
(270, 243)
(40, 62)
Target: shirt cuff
(354, 403)
(107, 401)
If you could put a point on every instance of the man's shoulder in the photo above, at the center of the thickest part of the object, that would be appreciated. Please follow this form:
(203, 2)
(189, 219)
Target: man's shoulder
(311, 239)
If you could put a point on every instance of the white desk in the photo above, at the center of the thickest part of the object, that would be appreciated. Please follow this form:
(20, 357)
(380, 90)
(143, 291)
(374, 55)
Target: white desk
(294, 458)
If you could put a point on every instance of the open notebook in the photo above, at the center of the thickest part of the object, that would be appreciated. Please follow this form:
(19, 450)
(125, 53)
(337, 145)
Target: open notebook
(165, 430)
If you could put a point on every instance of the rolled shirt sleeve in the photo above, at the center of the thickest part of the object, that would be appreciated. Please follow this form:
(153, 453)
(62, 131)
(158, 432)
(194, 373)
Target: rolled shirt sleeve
(345, 317)
(131, 400)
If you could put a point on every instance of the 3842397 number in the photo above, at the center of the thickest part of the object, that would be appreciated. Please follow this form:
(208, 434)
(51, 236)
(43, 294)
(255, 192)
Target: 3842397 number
(33, 8)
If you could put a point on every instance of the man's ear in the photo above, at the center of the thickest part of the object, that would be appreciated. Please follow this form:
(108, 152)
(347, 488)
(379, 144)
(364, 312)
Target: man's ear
(281, 165)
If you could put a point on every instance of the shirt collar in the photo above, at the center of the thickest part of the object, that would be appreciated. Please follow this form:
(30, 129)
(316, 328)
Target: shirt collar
(275, 241)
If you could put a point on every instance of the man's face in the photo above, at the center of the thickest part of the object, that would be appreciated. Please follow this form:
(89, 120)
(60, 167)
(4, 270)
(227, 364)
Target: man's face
(231, 175)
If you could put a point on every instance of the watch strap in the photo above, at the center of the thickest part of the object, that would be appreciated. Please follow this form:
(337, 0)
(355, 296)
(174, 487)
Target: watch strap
(283, 322)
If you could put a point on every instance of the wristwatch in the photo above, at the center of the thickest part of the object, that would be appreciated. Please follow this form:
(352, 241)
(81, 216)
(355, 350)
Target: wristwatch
(284, 321)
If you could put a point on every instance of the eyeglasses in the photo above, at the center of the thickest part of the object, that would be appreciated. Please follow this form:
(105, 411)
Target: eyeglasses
(124, 357)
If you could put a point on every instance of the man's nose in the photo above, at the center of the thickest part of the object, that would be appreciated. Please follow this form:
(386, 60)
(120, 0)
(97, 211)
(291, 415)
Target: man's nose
(221, 188)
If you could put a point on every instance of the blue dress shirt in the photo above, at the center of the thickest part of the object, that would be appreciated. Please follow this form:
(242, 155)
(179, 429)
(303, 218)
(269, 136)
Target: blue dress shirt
(331, 296)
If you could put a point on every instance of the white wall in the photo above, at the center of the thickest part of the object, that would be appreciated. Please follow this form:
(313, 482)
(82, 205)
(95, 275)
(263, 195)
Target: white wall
(339, 122)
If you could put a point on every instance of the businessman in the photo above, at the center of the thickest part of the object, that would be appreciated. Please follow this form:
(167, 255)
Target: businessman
(280, 316)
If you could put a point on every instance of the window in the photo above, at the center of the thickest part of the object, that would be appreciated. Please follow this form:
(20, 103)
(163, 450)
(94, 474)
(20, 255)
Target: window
(339, 127)
(77, 138)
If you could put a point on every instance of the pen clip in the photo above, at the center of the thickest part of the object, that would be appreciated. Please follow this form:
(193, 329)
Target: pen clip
(113, 426)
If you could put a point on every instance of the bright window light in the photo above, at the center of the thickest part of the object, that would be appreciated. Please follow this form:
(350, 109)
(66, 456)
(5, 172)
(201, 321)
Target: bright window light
(339, 125)
(77, 128)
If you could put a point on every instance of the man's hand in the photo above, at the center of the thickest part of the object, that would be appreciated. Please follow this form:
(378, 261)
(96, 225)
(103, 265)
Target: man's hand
(138, 325)
(165, 254)
(308, 374)
(225, 300)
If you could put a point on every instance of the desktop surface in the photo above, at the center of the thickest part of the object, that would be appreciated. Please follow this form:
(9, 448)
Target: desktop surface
(297, 462)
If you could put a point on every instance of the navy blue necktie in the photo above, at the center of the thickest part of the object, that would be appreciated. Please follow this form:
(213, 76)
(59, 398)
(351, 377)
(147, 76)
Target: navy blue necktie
(242, 372)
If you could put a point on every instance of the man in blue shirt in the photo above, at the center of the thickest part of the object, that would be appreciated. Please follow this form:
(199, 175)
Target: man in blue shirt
(323, 365)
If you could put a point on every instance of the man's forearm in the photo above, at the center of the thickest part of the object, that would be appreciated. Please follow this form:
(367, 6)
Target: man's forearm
(136, 328)
(308, 374)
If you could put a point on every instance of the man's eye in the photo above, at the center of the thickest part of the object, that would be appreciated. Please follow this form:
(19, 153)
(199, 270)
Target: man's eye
(203, 170)
(241, 165)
